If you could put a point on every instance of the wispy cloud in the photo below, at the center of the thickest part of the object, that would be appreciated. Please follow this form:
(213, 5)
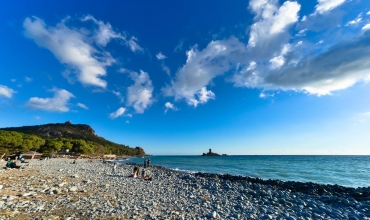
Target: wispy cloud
(119, 95)
(58, 103)
(6, 91)
(28, 79)
(168, 106)
(117, 113)
(139, 95)
(160, 56)
(327, 5)
(355, 21)
(266, 95)
(82, 106)
(178, 47)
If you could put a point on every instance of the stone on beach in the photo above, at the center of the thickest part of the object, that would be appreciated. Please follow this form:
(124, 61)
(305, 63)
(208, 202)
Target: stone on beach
(57, 189)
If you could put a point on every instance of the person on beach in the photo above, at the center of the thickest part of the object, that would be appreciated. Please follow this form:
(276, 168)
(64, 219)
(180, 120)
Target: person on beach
(143, 173)
(148, 163)
(114, 169)
(144, 163)
(136, 172)
(148, 176)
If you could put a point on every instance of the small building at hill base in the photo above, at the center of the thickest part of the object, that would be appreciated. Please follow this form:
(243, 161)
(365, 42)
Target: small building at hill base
(111, 156)
(31, 155)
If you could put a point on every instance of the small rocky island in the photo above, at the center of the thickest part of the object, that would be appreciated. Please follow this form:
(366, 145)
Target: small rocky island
(210, 153)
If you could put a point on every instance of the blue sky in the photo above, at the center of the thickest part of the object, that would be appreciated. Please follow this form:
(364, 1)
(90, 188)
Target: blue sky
(240, 77)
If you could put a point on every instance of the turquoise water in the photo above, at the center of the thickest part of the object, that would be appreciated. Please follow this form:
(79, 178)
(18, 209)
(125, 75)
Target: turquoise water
(352, 171)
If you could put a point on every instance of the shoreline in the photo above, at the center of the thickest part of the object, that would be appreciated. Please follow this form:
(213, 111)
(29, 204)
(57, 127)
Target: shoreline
(309, 188)
(58, 189)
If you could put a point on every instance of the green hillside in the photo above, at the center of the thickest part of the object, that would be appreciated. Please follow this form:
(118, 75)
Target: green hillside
(49, 138)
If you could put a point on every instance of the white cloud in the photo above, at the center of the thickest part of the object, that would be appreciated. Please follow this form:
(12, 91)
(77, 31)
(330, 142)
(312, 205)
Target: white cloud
(139, 95)
(200, 68)
(123, 70)
(355, 21)
(117, 113)
(270, 30)
(166, 69)
(168, 106)
(160, 56)
(179, 45)
(70, 46)
(105, 33)
(6, 91)
(266, 95)
(134, 46)
(119, 95)
(74, 47)
(301, 33)
(368, 13)
(366, 27)
(56, 104)
(13, 80)
(37, 117)
(340, 67)
(82, 106)
(327, 5)
(28, 79)
(274, 59)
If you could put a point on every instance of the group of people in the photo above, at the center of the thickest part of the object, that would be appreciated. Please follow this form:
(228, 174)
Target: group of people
(146, 163)
(12, 164)
(145, 174)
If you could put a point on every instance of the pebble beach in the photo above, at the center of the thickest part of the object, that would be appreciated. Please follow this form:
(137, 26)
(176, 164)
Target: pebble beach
(58, 189)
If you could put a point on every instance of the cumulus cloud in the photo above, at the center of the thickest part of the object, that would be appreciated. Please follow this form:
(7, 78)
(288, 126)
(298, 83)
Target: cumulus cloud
(327, 5)
(200, 68)
(117, 113)
(28, 79)
(168, 106)
(6, 91)
(160, 56)
(56, 104)
(273, 59)
(72, 46)
(271, 28)
(82, 106)
(340, 67)
(139, 95)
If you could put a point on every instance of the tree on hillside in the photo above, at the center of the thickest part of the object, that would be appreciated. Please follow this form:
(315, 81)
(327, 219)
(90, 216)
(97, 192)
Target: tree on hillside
(10, 141)
(51, 146)
(31, 142)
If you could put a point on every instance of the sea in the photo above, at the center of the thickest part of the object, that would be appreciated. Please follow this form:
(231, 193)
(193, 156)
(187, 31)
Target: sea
(350, 171)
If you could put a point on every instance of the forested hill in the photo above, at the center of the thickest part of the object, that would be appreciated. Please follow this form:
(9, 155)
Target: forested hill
(64, 136)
